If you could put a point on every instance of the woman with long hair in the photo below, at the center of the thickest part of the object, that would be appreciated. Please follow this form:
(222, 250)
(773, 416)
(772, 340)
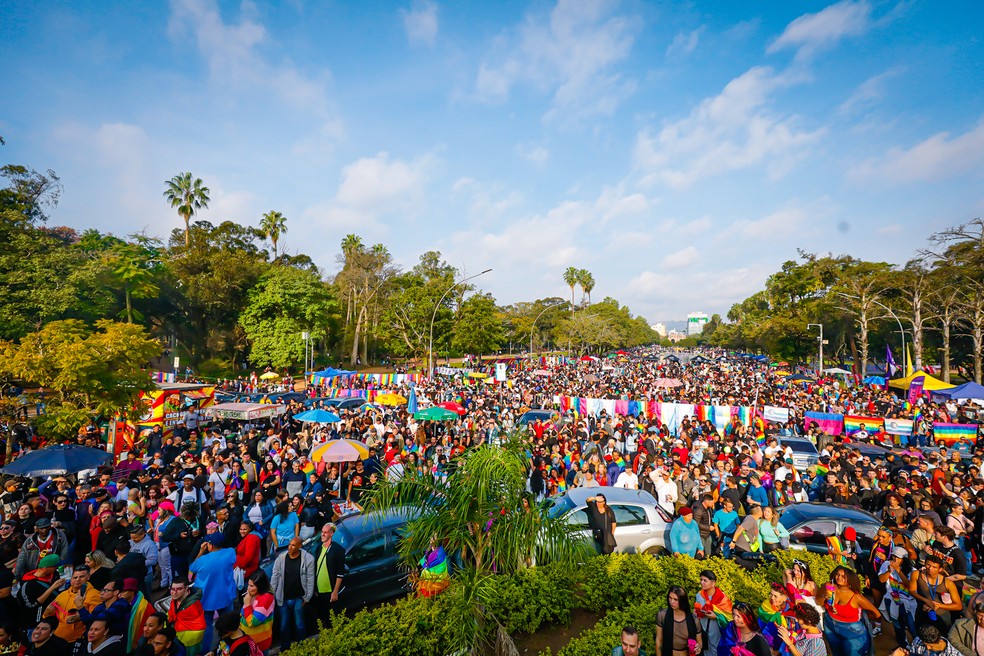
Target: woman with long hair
(799, 581)
(269, 479)
(256, 618)
(100, 569)
(771, 531)
(742, 635)
(844, 627)
(895, 576)
(808, 639)
(285, 525)
(677, 631)
(712, 608)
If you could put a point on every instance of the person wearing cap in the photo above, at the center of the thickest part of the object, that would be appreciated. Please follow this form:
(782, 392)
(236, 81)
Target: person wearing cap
(144, 546)
(895, 575)
(685, 535)
(188, 492)
(38, 586)
(165, 515)
(65, 606)
(213, 575)
(45, 540)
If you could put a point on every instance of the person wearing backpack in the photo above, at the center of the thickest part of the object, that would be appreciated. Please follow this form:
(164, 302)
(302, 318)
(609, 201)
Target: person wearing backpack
(182, 535)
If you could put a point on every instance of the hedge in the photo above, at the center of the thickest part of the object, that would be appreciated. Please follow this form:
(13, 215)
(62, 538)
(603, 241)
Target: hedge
(628, 588)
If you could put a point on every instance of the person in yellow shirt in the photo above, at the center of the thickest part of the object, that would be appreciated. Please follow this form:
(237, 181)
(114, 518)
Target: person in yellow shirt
(65, 606)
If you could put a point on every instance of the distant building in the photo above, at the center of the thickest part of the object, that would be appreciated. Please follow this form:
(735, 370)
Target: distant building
(676, 336)
(695, 323)
(659, 328)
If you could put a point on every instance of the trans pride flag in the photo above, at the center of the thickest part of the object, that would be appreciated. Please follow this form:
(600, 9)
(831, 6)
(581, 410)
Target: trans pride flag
(829, 422)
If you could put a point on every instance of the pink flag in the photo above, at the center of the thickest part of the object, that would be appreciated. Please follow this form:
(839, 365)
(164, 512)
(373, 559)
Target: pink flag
(916, 388)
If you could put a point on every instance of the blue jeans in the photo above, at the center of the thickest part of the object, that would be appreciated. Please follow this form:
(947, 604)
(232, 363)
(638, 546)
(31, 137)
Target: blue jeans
(292, 627)
(903, 622)
(846, 638)
(209, 642)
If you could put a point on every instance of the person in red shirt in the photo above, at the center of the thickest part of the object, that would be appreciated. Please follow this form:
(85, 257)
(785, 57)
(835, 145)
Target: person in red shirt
(248, 549)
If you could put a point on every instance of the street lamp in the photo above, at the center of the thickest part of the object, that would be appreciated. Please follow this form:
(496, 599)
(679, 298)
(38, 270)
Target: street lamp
(820, 357)
(430, 344)
(553, 305)
(905, 367)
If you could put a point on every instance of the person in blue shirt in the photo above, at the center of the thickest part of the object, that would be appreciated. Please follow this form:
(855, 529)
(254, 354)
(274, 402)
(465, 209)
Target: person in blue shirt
(685, 535)
(213, 572)
(757, 495)
(725, 524)
(286, 526)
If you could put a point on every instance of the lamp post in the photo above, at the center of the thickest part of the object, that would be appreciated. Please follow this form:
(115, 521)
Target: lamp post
(901, 330)
(533, 327)
(820, 355)
(430, 344)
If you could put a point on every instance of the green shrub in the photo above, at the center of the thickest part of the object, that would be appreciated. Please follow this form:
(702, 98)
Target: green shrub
(533, 598)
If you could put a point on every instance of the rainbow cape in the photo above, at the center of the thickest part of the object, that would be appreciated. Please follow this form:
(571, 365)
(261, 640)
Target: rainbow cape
(822, 470)
(719, 604)
(769, 613)
(308, 468)
(139, 613)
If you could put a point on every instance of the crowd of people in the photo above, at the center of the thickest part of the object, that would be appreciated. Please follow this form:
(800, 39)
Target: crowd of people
(186, 516)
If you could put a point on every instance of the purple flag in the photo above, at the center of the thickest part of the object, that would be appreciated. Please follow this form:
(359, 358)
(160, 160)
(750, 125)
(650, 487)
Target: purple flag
(890, 366)
(916, 388)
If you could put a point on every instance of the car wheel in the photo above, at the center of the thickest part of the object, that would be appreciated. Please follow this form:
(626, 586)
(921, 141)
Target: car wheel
(656, 551)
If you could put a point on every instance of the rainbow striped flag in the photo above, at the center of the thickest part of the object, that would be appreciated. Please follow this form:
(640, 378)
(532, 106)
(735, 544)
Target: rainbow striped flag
(719, 604)
(852, 424)
(704, 413)
(743, 412)
(953, 434)
(822, 470)
(308, 468)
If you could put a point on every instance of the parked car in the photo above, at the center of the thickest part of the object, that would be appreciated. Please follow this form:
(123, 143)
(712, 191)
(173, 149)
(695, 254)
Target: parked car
(872, 451)
(809, 524)
(530, 416)
(641, 526)
(285, 397)
(804, 451)
(348, 403)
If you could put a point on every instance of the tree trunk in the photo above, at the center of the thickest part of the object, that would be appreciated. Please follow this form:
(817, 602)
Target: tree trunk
(945, 365)
(978, 337)
(187, 219)
(354, 356)
(129, 306)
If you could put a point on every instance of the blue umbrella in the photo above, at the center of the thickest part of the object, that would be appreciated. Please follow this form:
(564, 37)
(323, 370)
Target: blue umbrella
(58, 459)
(412, 401)
(318, 416)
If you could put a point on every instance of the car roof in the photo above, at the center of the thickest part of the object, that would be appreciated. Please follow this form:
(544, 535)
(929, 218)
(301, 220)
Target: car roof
(579, 495)
(363, 523)
(814, 510)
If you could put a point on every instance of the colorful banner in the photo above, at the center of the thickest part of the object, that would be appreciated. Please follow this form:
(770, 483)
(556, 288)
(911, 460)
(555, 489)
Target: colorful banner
(829, 422)
(773, 413)
(899, 426)
(962, 437)
(916, 388)
(873, 425)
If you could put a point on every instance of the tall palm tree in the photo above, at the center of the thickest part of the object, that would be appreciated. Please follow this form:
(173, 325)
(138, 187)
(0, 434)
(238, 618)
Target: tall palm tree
(273, 224)
(571, 278)
(587, 282)
(187, 195)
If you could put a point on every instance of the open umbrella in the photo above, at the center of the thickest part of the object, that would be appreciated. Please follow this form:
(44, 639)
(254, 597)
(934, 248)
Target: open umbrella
(318, 416)
(390, 399)
(540, 372)
(339, 451)
(435, 414)
(667, 383)
(453, 407)
(58, 459)
(270, 375)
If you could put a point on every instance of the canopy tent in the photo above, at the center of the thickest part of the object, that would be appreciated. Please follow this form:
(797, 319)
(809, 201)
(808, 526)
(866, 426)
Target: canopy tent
(929, 383)
(435, 414)
(245, 411)
(796, 378)
(875, 380)
(837, 371)
(58, 459)
(969, 390)
(328, 375)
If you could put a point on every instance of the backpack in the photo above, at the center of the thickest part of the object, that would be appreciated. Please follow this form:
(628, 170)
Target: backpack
(183, 546)
(239, 642)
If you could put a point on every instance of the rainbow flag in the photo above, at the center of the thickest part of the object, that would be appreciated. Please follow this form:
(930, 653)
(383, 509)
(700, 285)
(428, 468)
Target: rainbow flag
(822, 470)
(704, 413)
(139, 613)
(953, 435)
(834, 543)
(719, 604)
(744, 414)
(308, 468)
(852, 424)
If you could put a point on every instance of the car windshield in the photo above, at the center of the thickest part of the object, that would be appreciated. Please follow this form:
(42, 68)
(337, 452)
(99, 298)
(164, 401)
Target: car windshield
(801, 447)
(560, 507)
(790, 518)
(343, 537)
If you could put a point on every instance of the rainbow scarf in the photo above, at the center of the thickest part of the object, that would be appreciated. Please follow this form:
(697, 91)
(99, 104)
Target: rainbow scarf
(769, 613)
(718, 603)
(620, 462)
(435, 564)
(561, 485)
(139, 613)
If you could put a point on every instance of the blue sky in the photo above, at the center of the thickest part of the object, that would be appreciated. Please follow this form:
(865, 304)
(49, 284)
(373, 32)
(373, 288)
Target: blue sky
(679, 151)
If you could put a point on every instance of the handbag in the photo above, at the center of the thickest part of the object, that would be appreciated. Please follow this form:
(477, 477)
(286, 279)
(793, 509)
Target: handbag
(598, 534)
(239, 576)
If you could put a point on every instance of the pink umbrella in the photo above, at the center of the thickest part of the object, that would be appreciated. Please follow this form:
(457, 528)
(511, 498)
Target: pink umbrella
(667, 382)
(540, 372)
(453, 407)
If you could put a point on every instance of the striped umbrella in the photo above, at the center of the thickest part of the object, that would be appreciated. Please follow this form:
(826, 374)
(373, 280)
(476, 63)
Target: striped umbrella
(339, 451)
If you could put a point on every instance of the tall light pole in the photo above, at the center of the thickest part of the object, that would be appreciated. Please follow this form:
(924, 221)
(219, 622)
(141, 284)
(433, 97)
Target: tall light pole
(901, 331)
(430, 344)
(820, 355)
(553, 305)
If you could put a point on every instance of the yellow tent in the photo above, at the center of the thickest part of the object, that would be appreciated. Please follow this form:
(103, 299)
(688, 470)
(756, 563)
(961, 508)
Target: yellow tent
(929, 383)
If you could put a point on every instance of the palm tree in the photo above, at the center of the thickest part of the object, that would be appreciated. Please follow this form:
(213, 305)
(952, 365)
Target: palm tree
(484, 515)
(587, 282)
(188, 195)
(571, 278)
(273, 224)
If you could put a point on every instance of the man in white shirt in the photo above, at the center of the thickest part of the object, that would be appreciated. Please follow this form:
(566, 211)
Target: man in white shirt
(666, 491)
(627, 480)
(218, 480)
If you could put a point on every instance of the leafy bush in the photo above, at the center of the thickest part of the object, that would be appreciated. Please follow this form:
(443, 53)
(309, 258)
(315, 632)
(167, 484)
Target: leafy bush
(629, 588)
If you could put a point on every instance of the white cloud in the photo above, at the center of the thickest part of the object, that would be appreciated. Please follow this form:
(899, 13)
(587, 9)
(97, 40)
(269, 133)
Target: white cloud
(237, 65)
(684, 43)
(420, 22)
(938, 157)
(811, 32)
(572, 56)
(675, 293)
(783, 223)
(538, 155)
(681, 259)
(868, 92)
(730, 131)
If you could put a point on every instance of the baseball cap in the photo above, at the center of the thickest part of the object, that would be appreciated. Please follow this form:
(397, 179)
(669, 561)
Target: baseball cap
(188, 477)
(900, 552)
(215, 539)
(44, 522)
(51, 560)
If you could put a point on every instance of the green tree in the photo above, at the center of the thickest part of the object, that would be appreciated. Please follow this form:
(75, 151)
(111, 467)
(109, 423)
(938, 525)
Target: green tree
(571, 276)
(273, 225)
(478, 328)
(284, 303)
(87, 371)
(486, 516)
(587, 283)
(188, 195)
(132, 267)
